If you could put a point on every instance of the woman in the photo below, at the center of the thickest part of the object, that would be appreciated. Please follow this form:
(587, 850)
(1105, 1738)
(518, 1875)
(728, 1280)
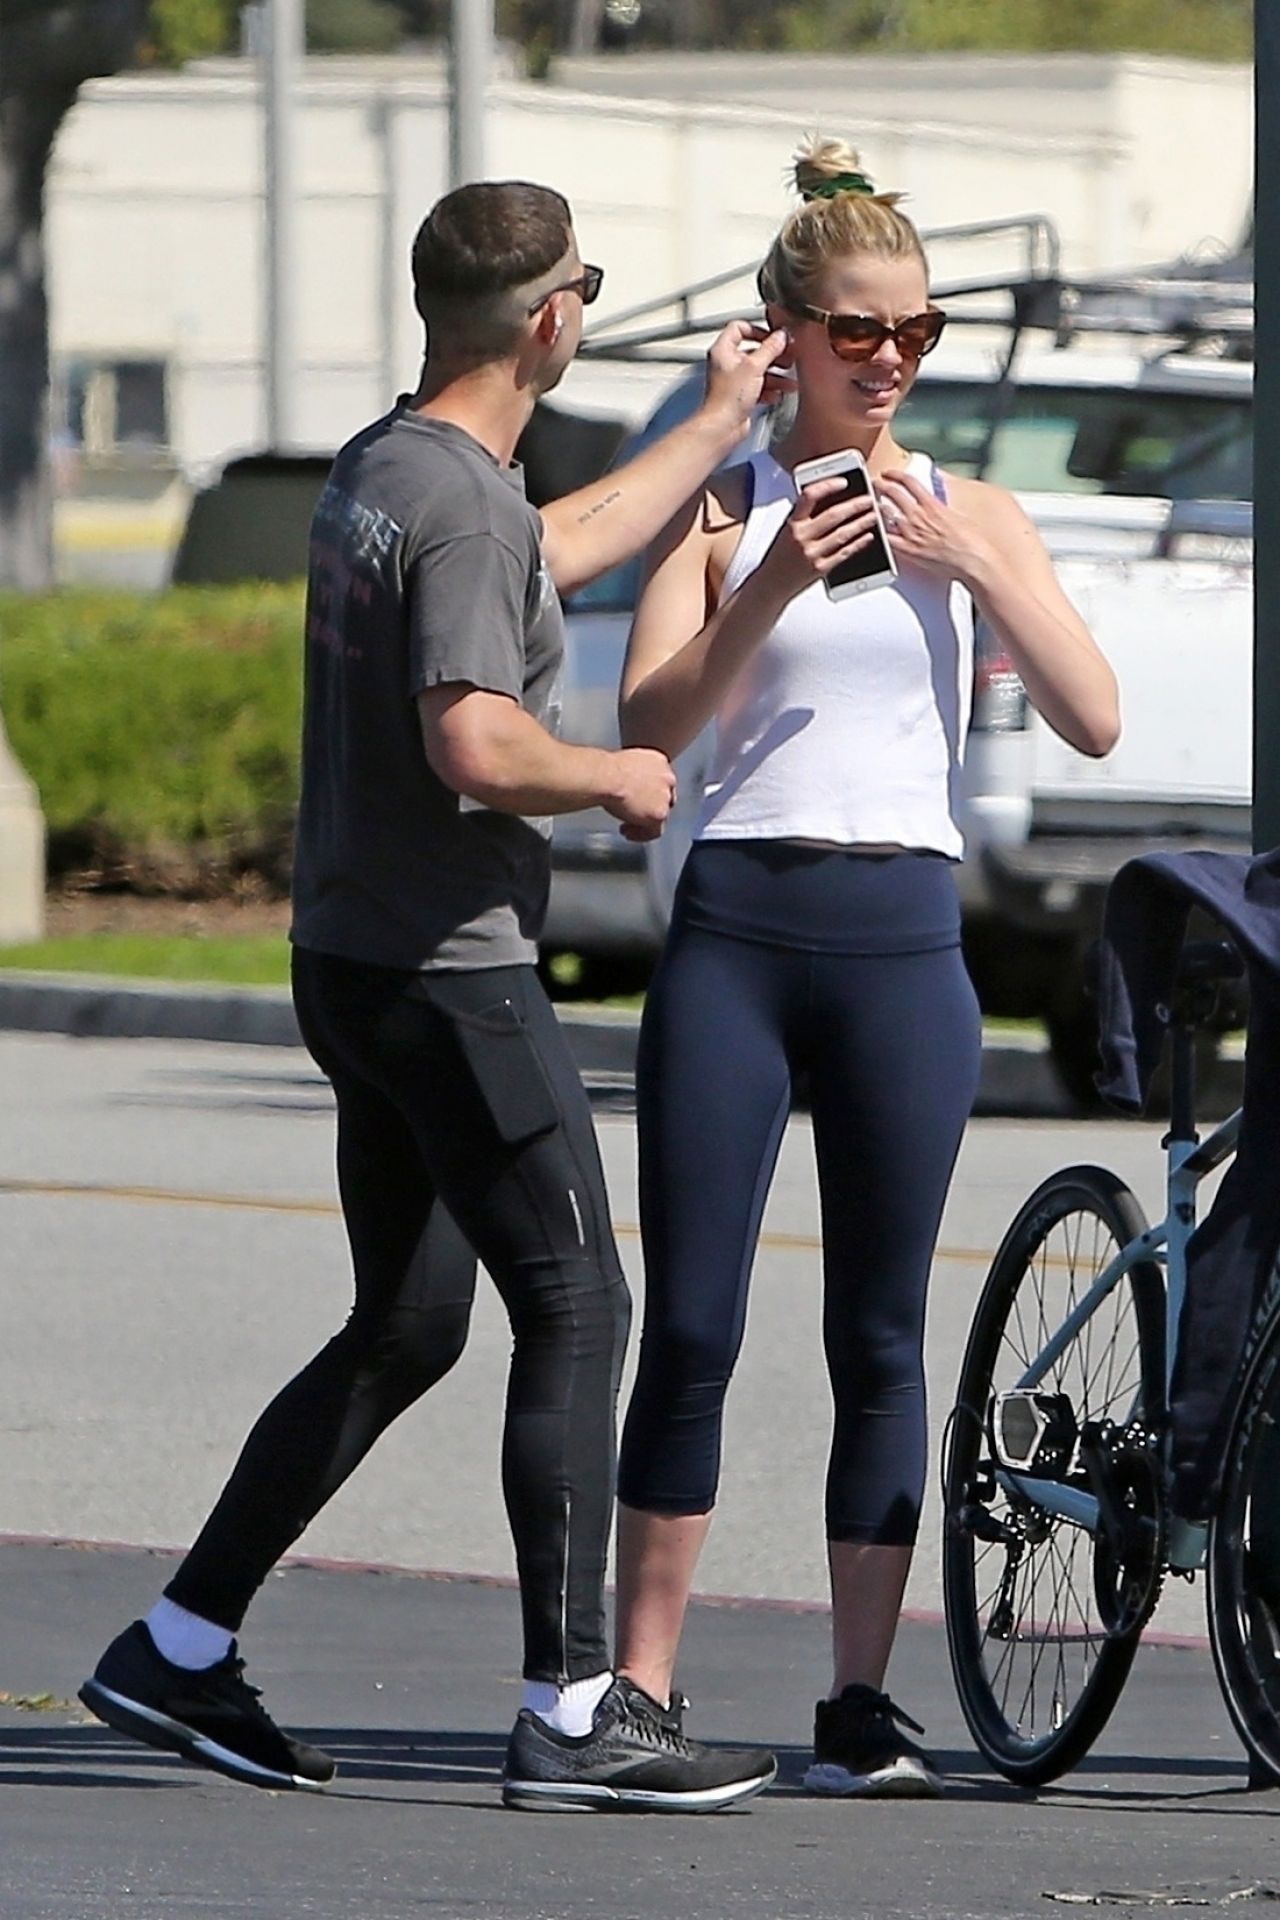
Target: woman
(816, 930)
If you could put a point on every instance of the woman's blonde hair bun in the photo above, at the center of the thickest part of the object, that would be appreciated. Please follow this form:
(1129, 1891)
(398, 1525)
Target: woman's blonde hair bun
(841, 213)
(825, 167)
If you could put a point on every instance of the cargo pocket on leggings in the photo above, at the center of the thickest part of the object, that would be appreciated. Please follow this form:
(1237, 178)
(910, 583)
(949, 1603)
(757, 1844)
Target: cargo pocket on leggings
(507, 1068)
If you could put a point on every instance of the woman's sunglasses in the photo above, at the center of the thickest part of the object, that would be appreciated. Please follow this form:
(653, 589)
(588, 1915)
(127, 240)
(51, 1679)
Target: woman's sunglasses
(859, 336)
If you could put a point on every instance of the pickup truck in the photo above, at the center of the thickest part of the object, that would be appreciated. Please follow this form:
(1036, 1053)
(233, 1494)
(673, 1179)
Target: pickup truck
(1132, 452)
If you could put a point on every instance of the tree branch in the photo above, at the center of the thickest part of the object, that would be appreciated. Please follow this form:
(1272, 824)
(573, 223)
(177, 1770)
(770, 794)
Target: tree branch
(47, 49)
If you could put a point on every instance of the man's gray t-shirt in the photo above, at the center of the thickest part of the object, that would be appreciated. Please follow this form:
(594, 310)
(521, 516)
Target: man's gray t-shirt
(425, 569)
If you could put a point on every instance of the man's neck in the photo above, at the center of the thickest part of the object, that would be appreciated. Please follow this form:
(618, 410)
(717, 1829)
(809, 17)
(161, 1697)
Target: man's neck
(486, 402)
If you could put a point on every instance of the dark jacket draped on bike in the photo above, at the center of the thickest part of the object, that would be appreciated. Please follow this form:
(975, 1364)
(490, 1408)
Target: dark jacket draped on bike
(1233, 1251)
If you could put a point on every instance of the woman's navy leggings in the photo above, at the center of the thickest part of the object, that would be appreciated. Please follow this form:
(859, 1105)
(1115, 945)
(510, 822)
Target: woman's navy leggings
(844, 968)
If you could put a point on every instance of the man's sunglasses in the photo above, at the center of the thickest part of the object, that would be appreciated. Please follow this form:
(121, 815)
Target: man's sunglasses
(587, 284)
(859, 336)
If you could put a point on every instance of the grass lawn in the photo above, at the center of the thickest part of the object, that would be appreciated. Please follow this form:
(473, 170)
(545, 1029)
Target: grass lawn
(232, 960)
(207, 959)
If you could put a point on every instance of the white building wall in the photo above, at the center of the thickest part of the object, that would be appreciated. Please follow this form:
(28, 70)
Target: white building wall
(156, 209)
(1189, 127)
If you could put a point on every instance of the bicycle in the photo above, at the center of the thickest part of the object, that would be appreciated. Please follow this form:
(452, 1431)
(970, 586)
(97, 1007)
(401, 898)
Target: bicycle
(1056, 1531)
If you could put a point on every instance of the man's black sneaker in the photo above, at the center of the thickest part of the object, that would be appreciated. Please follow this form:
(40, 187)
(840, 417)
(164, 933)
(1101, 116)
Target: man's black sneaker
(858, 1749)
(210, 1715)
(636, 1759)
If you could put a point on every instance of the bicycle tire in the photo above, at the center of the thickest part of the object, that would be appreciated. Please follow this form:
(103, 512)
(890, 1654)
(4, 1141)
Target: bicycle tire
(1243, 1602)
(1016, 1744)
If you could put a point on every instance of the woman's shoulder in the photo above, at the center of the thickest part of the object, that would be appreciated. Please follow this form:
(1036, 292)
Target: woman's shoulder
(726, 504)
(720, 507)
(1001, 517)
(728, 495)
(707, 528)
(982, 499)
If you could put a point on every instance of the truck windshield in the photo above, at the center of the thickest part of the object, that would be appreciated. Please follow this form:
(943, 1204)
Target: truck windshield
(1182, 446)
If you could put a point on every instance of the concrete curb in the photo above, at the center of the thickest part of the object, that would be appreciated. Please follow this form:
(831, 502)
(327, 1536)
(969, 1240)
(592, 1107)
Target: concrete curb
(96, 1007)
(1017, 1075)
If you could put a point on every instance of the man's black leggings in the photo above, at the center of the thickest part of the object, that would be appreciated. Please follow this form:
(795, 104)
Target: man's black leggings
(454, 1091)
(762, 981)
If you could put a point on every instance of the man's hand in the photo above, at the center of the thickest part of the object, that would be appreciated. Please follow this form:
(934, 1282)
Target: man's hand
(742, 375)
(485, 745)
(645, 792)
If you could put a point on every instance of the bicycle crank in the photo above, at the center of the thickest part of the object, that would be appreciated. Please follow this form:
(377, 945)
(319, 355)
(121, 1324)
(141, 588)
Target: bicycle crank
(1130, 1550)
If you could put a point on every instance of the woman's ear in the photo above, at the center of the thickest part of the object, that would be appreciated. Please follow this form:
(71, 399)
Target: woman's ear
(776, 319)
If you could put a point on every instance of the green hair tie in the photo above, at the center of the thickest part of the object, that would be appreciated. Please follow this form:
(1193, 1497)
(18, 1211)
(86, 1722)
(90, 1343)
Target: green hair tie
(840, 183)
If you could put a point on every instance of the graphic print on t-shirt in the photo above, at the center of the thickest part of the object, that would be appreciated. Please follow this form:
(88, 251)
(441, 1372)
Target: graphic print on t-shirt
(352, 553)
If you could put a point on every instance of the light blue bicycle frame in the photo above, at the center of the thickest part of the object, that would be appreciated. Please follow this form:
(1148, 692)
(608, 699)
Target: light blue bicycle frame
(1166, 1244)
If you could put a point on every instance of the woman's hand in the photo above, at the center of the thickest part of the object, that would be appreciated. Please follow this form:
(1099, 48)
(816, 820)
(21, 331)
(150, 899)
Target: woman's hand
(817, 536)
(926, 532)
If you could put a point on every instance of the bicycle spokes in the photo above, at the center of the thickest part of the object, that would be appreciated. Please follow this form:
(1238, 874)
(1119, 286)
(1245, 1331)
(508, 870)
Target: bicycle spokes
(1053, 1549)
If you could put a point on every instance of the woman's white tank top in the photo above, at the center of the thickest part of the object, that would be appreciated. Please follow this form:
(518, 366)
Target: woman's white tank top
(847, 725)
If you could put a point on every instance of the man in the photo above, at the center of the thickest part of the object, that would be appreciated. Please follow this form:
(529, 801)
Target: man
(433, 652)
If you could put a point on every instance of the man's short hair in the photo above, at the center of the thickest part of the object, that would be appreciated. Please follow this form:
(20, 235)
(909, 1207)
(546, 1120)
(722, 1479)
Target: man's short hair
(475, 247)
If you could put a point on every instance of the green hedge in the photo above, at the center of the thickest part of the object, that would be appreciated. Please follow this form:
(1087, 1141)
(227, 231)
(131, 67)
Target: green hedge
(161, 732)
(1205, 29)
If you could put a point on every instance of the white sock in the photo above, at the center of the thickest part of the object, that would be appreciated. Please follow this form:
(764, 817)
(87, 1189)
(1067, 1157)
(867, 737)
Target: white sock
(184, 1639)
(569, 1709)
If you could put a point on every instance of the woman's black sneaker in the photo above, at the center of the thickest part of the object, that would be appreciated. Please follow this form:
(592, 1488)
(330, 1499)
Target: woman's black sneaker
(210, 1715)
(858, 1749)
(636, 1759)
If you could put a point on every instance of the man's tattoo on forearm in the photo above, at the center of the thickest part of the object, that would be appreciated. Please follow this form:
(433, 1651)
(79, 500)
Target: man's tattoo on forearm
(599, 506)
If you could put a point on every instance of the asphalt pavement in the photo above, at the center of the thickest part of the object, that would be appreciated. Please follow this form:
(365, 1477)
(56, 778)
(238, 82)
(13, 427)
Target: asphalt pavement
(1018, 1077)
(170, 1250)
(411, 1683)
(1017, 1074)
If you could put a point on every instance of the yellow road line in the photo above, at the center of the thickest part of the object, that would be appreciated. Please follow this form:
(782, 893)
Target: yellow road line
(253, 1203)
(166, 1196)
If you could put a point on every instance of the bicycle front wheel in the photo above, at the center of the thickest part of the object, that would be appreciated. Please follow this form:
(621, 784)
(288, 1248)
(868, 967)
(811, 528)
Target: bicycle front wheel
(1244, 1560)
(1042, 1621)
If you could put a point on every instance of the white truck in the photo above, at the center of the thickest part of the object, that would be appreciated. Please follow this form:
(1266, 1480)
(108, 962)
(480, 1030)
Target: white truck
(1120, 414)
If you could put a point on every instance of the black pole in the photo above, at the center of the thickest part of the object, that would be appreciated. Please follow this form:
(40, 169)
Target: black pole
(1266, 433)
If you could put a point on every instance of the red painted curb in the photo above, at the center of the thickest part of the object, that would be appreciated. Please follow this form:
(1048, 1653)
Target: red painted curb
(739, 1602)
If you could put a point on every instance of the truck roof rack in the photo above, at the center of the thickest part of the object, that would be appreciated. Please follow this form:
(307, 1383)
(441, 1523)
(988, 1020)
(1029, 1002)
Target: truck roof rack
(1190, 304)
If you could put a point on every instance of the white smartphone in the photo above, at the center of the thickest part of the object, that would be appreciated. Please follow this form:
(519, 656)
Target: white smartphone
(872, 565)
